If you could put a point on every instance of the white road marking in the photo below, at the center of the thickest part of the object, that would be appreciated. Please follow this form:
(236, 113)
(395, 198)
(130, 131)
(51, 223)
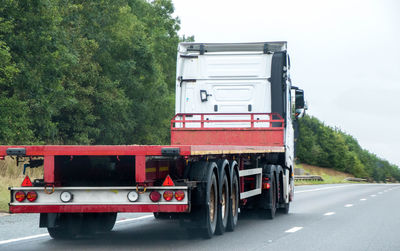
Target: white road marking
(363, 199)
(24, 238)
(135, 219)
(380, 193)
(348, 205)
(293, 229)
(373, 195)
(47, 235)
(329, 213)
(320, 189)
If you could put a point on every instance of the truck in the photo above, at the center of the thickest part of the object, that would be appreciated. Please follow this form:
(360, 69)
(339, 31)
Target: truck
(232, 149)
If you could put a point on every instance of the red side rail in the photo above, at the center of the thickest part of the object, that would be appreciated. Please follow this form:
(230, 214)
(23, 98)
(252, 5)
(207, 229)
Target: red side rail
(254, 129)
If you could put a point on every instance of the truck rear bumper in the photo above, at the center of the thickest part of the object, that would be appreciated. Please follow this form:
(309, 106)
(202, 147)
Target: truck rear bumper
(97, 208)
(100, 199)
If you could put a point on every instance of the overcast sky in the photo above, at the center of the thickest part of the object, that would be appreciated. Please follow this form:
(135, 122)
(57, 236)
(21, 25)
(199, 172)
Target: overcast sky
(344, 53)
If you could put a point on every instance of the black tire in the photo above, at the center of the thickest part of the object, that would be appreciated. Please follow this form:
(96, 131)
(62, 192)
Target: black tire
(223, 204)
(270, 212)
(210, 207)
(202, 220)
(97, 222)
(233, 203)
(68, 226)
(59, 233)
(285, 209)
(108, 222)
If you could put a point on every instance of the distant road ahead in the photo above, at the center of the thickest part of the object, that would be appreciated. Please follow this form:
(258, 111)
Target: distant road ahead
(322, 217)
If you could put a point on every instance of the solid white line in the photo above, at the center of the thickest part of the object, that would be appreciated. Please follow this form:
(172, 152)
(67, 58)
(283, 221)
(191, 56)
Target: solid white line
(363, 199)
(329, 213)
(319, 189)
(46, 235)
(348, 205)
(135, 219)
(293, 229)
(24, 238)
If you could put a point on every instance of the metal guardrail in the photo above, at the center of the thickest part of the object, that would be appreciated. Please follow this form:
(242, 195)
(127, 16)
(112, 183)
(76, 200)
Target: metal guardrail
(356, 179)
(308, 177)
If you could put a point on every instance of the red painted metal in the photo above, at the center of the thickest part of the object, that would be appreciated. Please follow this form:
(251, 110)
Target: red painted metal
(49, 169)
(258, 132)
(97, 208)
(140, 168)
(52, 150)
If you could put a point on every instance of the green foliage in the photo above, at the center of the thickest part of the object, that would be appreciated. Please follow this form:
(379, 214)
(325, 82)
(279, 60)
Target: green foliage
(324, 146)
(87, 72)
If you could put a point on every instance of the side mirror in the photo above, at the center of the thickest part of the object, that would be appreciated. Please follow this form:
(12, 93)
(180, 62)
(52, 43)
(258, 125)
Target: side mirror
(300, 104)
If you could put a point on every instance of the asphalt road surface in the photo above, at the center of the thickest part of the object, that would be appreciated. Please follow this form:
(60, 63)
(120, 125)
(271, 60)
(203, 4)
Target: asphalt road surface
(322, 217)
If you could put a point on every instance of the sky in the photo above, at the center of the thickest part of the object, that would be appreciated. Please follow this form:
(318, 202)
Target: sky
(345, 54)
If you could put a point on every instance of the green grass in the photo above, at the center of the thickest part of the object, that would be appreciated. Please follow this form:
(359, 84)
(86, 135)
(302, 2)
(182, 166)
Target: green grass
(328, 175)
(11, 175)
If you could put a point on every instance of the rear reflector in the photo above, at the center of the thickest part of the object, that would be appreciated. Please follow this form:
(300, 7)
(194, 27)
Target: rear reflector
(155, 196)
(31, 196)
(179, 195)
(27, 182)
(168, 195)
(20, 196)
(168, 181)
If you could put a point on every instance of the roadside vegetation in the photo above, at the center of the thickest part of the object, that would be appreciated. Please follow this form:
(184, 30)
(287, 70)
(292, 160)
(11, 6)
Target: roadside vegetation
(329, 175)
(11, 175)
(103, 72)
(324, 146)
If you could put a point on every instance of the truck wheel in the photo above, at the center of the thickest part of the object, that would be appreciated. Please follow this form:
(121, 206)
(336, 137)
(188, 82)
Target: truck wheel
(68, 226)
(285, 209)
(202, 220)
(210, 206)
(270, 213)
(107, 222)
(223, 205)
(98, 222)
(233, 203)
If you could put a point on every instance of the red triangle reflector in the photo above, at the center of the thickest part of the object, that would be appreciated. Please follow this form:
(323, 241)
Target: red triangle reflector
(27, 182)
(168, 181)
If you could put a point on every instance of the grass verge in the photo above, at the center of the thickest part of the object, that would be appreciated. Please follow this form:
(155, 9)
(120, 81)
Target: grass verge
(328, 175)
(11, 175)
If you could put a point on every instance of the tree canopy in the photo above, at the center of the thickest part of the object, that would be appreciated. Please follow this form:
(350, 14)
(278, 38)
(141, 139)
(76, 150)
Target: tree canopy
(86, 72)
(325, 146)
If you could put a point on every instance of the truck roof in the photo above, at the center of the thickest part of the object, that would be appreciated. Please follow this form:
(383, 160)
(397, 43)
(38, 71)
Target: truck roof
(266, 47)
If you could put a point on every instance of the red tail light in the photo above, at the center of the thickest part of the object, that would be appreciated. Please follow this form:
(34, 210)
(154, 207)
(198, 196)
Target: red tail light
(168, 195)
(155, 196)
(31, 196)
(179, 195)
(20, 196)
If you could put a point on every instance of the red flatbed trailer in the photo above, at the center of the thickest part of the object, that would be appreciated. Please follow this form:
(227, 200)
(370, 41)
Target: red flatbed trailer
(217, 162)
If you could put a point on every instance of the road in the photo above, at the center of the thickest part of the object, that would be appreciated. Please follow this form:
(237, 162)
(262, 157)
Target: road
(322, 217)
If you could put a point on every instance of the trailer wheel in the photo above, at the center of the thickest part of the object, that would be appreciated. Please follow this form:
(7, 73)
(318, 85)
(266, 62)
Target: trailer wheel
(68, 226)
(233, 203)
(270, 212)
(210, 206)
(98, 222)
(223, 205)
